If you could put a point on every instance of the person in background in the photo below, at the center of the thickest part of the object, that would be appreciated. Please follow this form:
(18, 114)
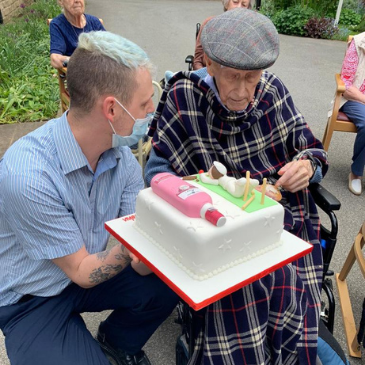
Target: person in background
(244, 117)
(58, 186)
(199, 61)
(353, 105)
(65, 29)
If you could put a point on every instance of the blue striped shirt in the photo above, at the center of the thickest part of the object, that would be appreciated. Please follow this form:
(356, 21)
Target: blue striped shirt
(52, 203)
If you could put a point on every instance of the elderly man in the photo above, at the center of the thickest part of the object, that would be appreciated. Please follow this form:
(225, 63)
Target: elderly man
(245, 118)
(58, 185)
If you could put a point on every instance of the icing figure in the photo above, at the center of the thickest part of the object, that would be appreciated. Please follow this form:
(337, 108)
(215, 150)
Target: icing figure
(217, 175)
(271, 191)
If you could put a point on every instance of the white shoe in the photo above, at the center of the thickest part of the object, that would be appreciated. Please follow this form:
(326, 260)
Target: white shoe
(355, 185)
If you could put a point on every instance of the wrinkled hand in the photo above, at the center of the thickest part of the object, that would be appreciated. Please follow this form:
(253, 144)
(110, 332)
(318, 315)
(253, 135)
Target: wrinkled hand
(295, 175)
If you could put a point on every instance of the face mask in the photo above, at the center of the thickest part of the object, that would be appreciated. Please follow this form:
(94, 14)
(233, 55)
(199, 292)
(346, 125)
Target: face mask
(139, 130)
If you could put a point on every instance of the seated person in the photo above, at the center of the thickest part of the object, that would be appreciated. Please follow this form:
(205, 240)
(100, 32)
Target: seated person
(199, 60)
(58, 186)
(65, 30)
(245, 118)
(353, 105)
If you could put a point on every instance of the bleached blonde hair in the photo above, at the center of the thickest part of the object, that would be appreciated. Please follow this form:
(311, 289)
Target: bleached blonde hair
(104, 63)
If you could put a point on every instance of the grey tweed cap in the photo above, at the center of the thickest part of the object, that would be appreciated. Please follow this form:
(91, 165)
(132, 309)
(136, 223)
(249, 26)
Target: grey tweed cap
(241, 38)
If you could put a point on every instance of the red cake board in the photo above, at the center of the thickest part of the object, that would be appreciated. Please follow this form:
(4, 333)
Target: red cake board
(200, 293)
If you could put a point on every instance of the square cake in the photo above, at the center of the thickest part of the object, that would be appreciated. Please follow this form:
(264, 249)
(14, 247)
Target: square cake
(201, 248)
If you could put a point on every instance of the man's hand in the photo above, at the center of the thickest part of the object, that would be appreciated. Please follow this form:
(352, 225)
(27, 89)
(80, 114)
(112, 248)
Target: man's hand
(295, 175)
(138, 266)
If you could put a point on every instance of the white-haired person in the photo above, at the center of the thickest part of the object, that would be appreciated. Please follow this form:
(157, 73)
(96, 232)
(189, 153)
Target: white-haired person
(65, 29)
(58, 186)
(244, 117)
(199, 61)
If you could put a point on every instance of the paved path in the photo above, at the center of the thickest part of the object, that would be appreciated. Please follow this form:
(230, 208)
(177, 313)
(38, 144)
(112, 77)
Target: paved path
(165, 29)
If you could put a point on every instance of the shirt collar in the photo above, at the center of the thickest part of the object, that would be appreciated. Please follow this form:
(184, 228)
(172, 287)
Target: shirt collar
(69, 151)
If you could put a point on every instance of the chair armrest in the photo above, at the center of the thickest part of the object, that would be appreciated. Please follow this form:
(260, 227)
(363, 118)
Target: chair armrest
(189, 59)
(323, 198)
(341, 88)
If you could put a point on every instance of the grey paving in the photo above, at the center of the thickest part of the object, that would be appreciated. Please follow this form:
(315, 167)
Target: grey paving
(165, 29)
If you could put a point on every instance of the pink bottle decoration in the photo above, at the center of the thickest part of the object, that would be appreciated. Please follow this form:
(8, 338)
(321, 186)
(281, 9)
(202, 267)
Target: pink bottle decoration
(187, 198)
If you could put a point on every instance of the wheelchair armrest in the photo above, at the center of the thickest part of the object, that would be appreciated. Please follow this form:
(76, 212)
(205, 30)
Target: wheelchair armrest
(323, 198)
(189, 59)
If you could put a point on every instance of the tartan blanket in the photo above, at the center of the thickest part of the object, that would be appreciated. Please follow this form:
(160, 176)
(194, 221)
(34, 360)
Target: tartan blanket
(274, 320)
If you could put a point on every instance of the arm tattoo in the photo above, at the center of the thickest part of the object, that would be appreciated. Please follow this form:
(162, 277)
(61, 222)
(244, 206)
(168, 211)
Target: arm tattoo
(123, 257)
(103, 255)
(104, 273)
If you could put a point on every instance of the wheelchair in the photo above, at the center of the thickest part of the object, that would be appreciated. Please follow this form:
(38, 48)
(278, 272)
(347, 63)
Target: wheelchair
(326, 202)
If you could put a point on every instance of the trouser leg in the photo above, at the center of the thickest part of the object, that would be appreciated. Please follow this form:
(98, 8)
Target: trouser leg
(44, 331)
(52, 328)
(356, 112)
(140, 303)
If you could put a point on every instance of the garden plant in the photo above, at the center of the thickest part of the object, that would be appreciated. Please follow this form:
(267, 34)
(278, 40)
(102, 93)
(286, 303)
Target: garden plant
(28, 83)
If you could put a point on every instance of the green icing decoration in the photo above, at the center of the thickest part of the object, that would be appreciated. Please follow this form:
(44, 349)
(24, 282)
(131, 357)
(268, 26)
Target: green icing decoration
(253, 207)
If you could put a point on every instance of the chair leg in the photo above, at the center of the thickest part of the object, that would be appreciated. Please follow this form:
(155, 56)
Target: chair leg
(348, 318)
(327, 136)
(343, 294)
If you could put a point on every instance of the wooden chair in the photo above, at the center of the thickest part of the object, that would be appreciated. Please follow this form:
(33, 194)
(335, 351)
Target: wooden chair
(351, 333)
(338, 121)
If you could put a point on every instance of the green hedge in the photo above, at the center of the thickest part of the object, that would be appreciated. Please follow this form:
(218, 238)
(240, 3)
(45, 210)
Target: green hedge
(28, 83)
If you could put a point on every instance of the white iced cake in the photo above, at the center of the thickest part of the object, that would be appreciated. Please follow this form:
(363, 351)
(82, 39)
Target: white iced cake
(201, 248)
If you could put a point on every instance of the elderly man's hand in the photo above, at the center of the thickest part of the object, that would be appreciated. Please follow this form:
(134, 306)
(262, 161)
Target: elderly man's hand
(295, 175)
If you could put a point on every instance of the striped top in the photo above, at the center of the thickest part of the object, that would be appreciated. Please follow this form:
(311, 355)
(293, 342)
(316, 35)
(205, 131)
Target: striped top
(52, 203)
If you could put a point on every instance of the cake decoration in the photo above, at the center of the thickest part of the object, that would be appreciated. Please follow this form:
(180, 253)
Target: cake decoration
(200, 248)
(217, 175)
(271, 191)
(187, 198)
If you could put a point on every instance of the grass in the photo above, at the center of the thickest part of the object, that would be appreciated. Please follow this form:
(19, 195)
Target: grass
(28, 83)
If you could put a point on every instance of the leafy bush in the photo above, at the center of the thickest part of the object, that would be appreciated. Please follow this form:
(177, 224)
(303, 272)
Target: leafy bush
(267, 8)
(343, 33)
(292, 20)
(358, 6)
(320, 28)
(360, 27)
(28, 86)
(322, 8)
(349, 17)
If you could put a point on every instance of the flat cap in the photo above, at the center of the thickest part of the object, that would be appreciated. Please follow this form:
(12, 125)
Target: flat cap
(241, 38)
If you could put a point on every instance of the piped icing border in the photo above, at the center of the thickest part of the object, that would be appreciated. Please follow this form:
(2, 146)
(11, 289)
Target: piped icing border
(214, 272)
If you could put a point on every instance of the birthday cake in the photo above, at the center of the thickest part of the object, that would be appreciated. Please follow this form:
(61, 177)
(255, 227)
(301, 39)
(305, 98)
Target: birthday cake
(206, 229)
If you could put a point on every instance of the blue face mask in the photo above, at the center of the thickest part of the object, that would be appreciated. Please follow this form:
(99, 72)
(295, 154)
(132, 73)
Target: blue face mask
(139, 130)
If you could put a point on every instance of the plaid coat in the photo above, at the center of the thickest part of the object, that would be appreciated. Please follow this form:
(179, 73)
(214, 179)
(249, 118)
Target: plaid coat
(275, 319)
